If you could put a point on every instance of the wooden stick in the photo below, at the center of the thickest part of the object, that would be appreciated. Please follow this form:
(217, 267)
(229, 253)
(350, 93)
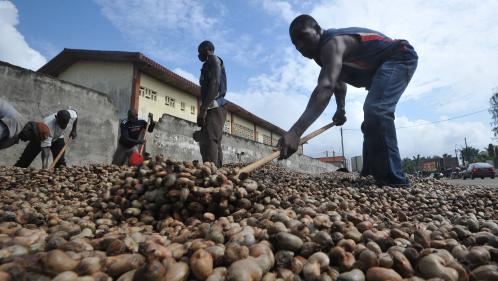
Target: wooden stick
(253, 166)
(60, 154)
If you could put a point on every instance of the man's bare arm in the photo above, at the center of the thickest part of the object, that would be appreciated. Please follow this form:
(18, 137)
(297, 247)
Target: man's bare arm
(331, 58)
(45, 153)
(340, 99)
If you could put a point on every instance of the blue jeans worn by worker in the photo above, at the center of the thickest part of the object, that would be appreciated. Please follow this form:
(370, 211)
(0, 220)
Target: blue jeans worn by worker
(380, 147)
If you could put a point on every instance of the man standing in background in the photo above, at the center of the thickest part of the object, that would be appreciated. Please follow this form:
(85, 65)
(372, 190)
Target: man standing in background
(212, 114)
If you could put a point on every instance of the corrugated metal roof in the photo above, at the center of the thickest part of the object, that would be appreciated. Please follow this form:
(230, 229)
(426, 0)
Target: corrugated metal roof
(67, 57)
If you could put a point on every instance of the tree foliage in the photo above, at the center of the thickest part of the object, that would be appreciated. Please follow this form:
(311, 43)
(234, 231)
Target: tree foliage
(409, 165)
(470, 153)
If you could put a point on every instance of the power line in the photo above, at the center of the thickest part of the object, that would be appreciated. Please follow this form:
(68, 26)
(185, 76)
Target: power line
(432, 122)
(444, 120)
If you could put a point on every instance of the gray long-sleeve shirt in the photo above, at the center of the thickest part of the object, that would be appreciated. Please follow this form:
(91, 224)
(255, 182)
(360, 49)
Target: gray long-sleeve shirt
(13, 122)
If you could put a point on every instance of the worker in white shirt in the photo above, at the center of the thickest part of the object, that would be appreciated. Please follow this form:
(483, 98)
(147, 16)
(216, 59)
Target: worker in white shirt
(57, 124)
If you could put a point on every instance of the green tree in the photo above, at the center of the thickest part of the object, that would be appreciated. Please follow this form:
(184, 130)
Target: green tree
(493, 109)
(491, 150)
(470, 153)
(409, 165)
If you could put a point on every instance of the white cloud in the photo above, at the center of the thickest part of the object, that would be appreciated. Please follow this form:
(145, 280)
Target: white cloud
(187, 75)
(280, 8)
(451, 37)
(13, 47)
(170, 30)
(455, 72)
(159, 27)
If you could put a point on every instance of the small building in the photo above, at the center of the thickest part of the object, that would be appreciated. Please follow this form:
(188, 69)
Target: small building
(356, 163)
(339, 161)
(429, 165)
(132, 80)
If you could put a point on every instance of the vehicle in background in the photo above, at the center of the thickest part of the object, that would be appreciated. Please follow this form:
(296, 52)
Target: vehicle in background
(456, 173)
(436, 175)
(479, 170)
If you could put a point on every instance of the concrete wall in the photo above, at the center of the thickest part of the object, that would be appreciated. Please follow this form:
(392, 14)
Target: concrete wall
(112, 78)
(158, 106)
(173, 137)
(35, 96)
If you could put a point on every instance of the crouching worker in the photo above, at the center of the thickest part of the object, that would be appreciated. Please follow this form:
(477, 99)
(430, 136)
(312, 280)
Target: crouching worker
(132, 135)
(57, 124)
(12, 129)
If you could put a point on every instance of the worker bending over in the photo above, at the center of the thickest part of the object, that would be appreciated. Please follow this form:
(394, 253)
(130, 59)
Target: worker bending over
(132, 134)
(57, 123)
(362, 58)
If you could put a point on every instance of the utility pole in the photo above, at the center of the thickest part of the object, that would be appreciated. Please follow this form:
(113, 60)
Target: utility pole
(342, 146)
(466, 150)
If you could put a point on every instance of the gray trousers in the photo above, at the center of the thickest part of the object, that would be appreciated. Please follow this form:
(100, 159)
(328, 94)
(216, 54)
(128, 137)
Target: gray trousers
(122, 154)
(211, 134)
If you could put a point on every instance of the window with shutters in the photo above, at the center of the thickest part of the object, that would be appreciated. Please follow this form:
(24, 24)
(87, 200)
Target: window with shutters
(182, 106)
(226, 126)
(266, 139)
(169, 101)
(243, 131)
(148, 93)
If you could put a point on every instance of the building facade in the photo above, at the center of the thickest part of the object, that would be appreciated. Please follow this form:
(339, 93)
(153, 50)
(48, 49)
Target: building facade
(338, 161)
(133, 80)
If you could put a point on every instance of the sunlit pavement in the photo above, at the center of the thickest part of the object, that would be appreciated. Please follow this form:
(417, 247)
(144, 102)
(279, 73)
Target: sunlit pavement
(477, 181)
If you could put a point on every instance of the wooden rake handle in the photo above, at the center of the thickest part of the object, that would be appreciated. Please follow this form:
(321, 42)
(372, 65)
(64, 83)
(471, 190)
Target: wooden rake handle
(253, 166)
(60, 153)
(141, 150)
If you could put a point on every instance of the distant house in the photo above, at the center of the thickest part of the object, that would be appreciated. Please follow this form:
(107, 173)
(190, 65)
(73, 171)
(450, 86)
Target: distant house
(133, 80)
(338, 161)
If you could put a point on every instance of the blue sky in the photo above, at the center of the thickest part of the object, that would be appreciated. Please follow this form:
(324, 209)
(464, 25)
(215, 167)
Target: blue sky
(455, 41)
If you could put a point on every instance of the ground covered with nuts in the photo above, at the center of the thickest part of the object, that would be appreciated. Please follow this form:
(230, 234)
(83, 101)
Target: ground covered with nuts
(172, 221)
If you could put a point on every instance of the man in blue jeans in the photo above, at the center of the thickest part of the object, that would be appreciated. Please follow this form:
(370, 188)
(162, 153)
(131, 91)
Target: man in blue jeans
(362, 58)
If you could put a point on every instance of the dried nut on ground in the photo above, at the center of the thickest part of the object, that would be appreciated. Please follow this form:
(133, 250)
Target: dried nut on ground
(367, 259)
(58, 261)
(287, 241)
(152, 270)
(485, 273)
(315, 264)
(218, 274)
(381, 274)
(117, 265)
(436, 266)
(66, 276)
(253, 267)
(353, 275)
(154, 221)
(402, 265)
(201, 264)
(339, 257)
(235, 252)
(90, 265)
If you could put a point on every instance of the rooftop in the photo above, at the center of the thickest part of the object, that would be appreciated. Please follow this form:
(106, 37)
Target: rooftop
(68, 57)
